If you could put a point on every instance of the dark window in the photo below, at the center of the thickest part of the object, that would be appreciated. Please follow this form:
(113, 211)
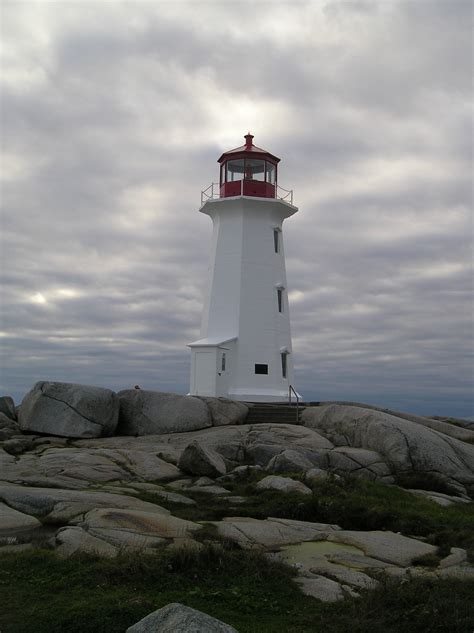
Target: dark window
(276, 240)
(280, 299)
(223, 363)
(261, 369)
(283, 364)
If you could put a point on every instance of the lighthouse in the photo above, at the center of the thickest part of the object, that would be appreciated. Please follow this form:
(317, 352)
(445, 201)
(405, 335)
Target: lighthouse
(244, 351)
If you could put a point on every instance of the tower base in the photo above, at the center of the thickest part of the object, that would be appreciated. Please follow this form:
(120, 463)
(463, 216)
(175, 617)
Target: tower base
(259, 395)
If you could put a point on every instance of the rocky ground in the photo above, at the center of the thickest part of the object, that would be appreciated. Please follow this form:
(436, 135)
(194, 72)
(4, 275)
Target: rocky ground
(83, 469)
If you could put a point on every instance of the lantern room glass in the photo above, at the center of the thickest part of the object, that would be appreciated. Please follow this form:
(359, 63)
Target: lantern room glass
(254, 169)
(270, 175)
(248, 169)
(235, 170)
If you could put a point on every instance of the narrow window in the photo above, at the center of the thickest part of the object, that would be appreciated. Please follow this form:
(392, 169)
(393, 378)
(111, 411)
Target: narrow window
(280, 299)
(223, 362)
(276, 240)
(283, 364)
(261, 369)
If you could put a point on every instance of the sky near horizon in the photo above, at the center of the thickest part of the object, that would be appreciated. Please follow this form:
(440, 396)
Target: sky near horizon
(113, 116)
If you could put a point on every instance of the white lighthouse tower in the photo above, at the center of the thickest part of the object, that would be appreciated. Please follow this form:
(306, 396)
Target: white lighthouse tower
(244, 352)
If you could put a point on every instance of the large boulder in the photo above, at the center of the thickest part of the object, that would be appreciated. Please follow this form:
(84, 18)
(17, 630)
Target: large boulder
(7, 407)
(404, 445)
(289, 461)
(448, 426)
(69, 410)
(177, 618)
(224, 411)
(8, 427)
(154, 412)
(199, 459)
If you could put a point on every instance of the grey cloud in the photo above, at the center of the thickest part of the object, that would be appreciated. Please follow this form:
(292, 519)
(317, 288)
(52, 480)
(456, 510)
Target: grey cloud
(119, 135)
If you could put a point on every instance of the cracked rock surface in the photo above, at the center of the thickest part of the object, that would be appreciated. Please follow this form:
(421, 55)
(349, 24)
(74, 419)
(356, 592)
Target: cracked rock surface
(404, 445)
(67, 479)
(145, 412)
(69, 410)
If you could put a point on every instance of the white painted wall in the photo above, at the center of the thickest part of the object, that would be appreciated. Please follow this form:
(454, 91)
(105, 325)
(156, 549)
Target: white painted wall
(241, 299)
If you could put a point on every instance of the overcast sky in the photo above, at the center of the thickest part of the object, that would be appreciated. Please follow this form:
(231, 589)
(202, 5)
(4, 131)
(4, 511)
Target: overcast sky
(113, 117)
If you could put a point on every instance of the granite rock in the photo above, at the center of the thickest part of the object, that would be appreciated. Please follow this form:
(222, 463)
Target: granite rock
(283, 484)
(199, 459)
(177, 618)
(224, 411)
(145, 412)
(69, 410)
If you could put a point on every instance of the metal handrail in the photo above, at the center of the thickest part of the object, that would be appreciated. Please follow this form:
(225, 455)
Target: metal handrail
(213, 191)
(288, 194)
(205, 195)
(291, 389)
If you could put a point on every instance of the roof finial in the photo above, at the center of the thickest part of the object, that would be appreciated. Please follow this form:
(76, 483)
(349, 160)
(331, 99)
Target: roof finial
(248, 141)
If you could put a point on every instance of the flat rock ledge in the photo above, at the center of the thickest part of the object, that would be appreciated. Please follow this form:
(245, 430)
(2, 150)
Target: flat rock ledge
(13, 522)
(283, 484)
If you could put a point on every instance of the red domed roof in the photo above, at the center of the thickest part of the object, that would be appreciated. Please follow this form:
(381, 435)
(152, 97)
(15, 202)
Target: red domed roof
(248, 149)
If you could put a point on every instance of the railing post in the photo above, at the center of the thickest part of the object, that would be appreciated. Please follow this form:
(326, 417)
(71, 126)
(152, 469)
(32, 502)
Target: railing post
(290, 389)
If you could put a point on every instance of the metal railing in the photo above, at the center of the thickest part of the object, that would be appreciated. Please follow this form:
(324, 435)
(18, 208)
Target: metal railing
(209, 193)
(291, 389)
(213, 191)
(286, 194)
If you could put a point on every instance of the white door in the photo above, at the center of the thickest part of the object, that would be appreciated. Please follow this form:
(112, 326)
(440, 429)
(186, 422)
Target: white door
(205, 373)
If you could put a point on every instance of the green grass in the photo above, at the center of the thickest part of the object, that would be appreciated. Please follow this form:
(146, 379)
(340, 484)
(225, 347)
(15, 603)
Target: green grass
(424, 481)
(351, 503)
(42, 593)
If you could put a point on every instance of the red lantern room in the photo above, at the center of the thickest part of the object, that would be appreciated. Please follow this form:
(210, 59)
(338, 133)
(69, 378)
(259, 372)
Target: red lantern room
(248, 171)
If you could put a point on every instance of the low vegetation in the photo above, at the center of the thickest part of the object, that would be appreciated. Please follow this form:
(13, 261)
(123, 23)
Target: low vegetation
(42, 593)
(354, 504)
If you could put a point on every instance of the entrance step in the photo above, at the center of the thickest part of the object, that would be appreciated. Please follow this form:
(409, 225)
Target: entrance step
(262, 413)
